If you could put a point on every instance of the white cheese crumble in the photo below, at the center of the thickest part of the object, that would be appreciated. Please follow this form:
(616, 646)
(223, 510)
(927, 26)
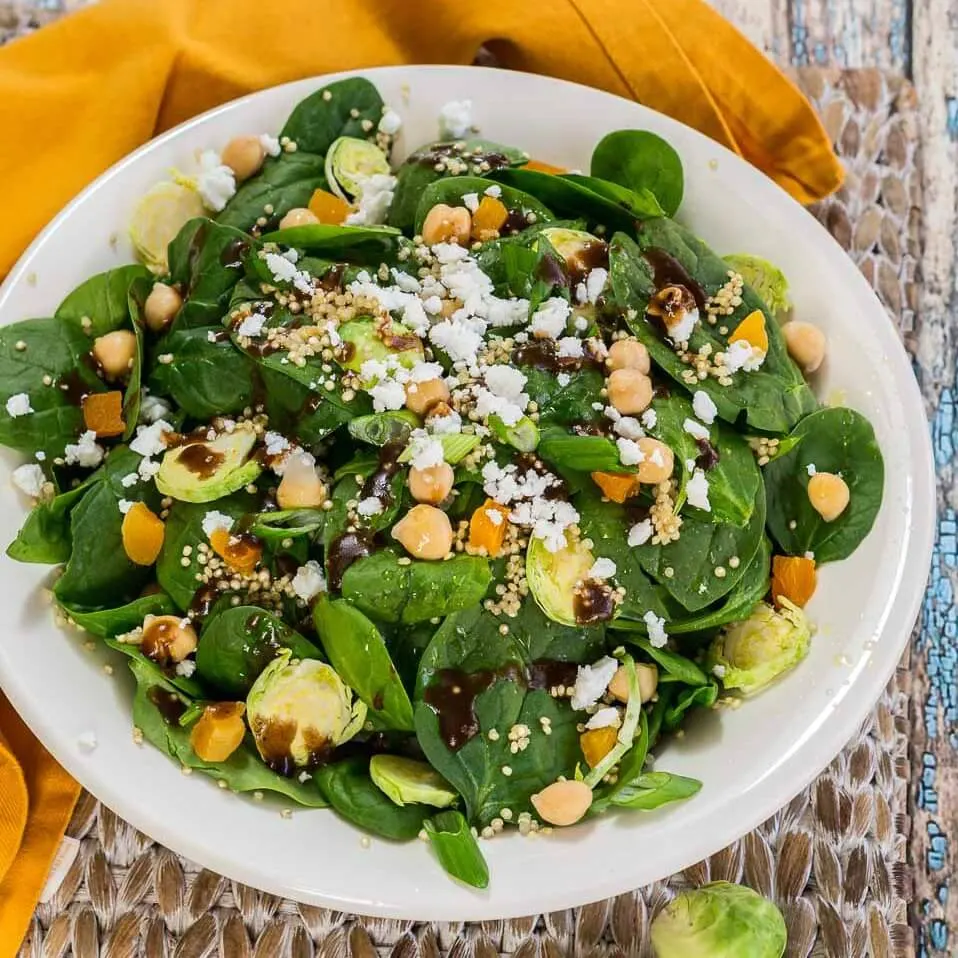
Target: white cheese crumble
(283, 269)
(602, 569)
(811, 469)
(656, 626)
(448, 425)
(29, 479)
(470, 201)
(607, 717)
(495, 191)
(275, 443)
(549, 320)
(186, 668)
(309, 580)
(149, 440)
(87, 741)
(214, 520)
(591, 288)
(372, 202)
(424, 450)
(563, 379)
(569, 348)
(547, 519)
(591, 681)
(743, 355)
(695, 429)
(215, 182)
(369, 507)
(697, 491)
(270, 144)
(85, 451)
(628, 428)
(19, 405)
(455, 119)
(640, 533)
(704, 407)
(649, 418)
(629, 452)
(390, 123)
(457, 339)
(251, 326)
(152, 408)
(130, 479)
(424, 372)
(682, 326)
(124, 505)
(718, 671)
(494, 516)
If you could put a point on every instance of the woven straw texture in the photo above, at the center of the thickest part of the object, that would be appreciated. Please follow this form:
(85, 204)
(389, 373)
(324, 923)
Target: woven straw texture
(833, 859)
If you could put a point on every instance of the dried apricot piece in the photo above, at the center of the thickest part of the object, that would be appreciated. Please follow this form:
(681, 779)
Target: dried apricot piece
(596, 743)
(489, 218)
(484, 531)
(540, 166)
(752, 330)
(240, 552)
(219, 731)
(793, 578)
(328, 208)
(142, 533)
(615, 486)
(103, 413)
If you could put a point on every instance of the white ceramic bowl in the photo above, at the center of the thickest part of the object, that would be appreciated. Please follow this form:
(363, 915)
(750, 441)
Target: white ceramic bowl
(751, 761)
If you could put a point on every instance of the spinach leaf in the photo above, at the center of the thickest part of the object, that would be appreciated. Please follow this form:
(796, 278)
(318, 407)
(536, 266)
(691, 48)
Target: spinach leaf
(327, 238)
(703, 696)
(106, 623)
(523, 266)
(45, 535)
(654, 789)
(351, 793)
(581, 453)
(288, 523)
(565, 405)
(629, 769)
(457, 849)
(640, 202)
(239, 642)
(133, 393)
(243, 771)
(103, 300)
(357, 652)
(385, 588)
(641, 160)
(452, 189)
(206, 376)
(328, 114)
(836, 440)
(675, 666)
(772, 398)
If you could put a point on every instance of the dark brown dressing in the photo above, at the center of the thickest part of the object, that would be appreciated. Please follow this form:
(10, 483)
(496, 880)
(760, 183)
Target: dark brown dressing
(274, 737)
(232, 255)
(202, 603)
(593, 602)
(170, 706)
(224, 710)
(592, 255)
(379, 483)
(452, 696)
(74, 387)
(550, 673)
(157, 638)
(708, 456)
(343, 551)
(668, 271)
(430, 156)
(515, 222)
(201, 460)
(333, 277)
(219, 336)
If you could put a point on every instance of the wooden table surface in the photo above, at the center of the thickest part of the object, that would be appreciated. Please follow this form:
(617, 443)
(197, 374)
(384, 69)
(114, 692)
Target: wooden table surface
(918, 38)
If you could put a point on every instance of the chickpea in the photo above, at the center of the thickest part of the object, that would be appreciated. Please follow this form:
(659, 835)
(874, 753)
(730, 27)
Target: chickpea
(167, 638)
(431, 485)
(447, 224)
(563, 803)
(648, 676)
(628, 354)
(114, 352)
(300, 216)
(219, 731)
(658, 463)
(300, 487)
(805, 343)
(424, 532)
(449, 307)
(828, 494)
(421, 397)
(630, 391)
(161, 307)
(244, 155)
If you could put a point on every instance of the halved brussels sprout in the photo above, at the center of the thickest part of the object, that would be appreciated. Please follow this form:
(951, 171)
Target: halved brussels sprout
(750, 655)
(158, 217)
(299, 711)
(568, 243)
(524, 435)
(349, 161)
(765, 278)
(210, 468)
(552, 577)
(381, 428)
(364, 339)
(408, 782)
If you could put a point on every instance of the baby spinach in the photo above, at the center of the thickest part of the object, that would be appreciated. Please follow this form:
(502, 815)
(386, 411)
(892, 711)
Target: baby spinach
(357, 652)
(674, 666)
(106, 623)
(580, 453)
(655, 789)
(835, 440)
(456, 848)
(523, 266)
(385, 588)
(327, 238)
(133, 391)
(45, 535)
(338, 109)
(103, 299)
(288, 524)
(704, 696)
(351, 793)
(565, 402)
(641, 160)
(452, 189)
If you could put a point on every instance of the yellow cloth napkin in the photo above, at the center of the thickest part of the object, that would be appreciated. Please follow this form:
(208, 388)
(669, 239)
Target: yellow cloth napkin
(81, 93)
(36, 801)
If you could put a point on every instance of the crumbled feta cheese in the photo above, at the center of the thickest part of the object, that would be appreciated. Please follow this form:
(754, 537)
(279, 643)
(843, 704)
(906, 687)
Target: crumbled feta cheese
(549, 320)
(19, 405)
(742, 355)
(407, 283)
(569, 348)
(124, 505)
(455, 119)
(214, 520)
(602, 569)
(547, 519)
(147, 468)
(494, 516)
(211, 336)
(506, 381)
(690, 465)
(591, 681)
(682, 325)
(215, 182)
(149, 440)
(656, 626)
(284, 270)
(87, 741)
(152, 408)
(581, 324)
(470, 201)
(334, 338)
(424, 372)
(186, 668)
(595, 283)
(718, 671)
(390, 123)
(432, 305)
(695, 429)
(629, 452)
(811, 469)
(628, 428)
(458, 340)
(697, 491)
(130, 479)
(704, 407)
(424, 450)
(29, 479)
(563, 379)
(309, 580)
(275, 443)
(270, 144)
(370, 506)
(85, 451)
(388, 395)
(447, 425)
(372, 202)
(495, 191)
(640, 533)
(607, 717)
(251, 326)
(649, 418)
(40, 455)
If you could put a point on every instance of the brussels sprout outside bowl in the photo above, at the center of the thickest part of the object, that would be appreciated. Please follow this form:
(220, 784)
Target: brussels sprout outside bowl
(865, 607)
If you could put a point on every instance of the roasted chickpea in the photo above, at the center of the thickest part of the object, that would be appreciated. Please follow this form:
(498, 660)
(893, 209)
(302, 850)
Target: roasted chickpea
(630, 391)
(447, 224)
(167, 638)
(424, 532)
(563, 803)
(219, 731)
(431, 485)
(300, 216)
(658, 463)
(421, 397)
(301, 486)
(161, 307)
(805, 343)
(648, 676)
(828, 494)
(244, 155)
(114, 352)
(628, 354)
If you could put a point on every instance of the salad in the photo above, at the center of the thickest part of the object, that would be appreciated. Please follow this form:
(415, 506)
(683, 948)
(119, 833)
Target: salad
(437, 492)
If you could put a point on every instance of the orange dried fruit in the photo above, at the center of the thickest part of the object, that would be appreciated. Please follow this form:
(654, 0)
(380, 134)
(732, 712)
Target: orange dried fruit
(615, 486)
(596, 743)
(793, 578)
(218, 731)
(484, 531)
(489, 218)
(752, 330)
(541, 167)
(329, 208)
(240, 552)
(142, 533)
(103, 413)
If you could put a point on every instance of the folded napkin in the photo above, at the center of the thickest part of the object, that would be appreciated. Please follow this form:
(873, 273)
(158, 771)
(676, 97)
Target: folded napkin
(82, 93)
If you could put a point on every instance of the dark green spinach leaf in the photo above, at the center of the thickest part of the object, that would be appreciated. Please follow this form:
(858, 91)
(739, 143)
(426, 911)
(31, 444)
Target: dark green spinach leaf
(457, 849)
(641, 160)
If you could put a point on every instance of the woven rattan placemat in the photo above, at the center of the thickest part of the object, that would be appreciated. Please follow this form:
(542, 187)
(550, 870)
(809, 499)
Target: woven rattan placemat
(833, 859)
